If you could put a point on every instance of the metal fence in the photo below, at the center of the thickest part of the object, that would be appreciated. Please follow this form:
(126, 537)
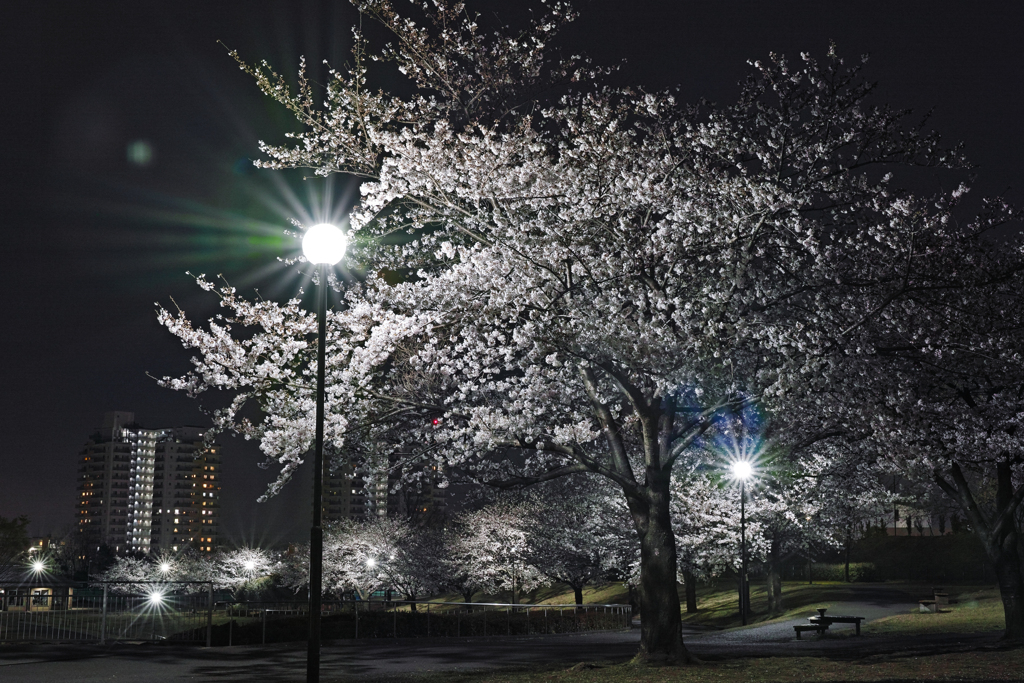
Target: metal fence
(253, 623)
(146, 611)
(189, 612)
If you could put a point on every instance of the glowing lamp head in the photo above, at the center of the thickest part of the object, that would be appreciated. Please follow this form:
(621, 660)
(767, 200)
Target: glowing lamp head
(371, 562)
(249, 565)
(742, 470)
(324, 243)
(38, 566)
(156, 598)
(165, 567)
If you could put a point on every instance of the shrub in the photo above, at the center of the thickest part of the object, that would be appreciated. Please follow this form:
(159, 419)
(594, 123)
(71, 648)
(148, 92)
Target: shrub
(859, 571)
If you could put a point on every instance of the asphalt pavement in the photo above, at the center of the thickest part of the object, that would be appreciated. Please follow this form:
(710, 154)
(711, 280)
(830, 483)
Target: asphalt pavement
(385, 658)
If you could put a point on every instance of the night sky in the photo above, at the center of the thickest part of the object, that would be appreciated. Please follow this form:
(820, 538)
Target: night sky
(126, 144)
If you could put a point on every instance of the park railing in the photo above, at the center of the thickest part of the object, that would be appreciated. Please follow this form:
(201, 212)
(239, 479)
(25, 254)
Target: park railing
(190, 612)
(140, 611)
(255, 623)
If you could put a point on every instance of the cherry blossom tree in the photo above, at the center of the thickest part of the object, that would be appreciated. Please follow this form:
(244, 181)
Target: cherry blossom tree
(459, 572)
(495, 548)
(369, 555)
(706, 523)
(946, 397)
(575, 531)
(562, 277)
(236, 570)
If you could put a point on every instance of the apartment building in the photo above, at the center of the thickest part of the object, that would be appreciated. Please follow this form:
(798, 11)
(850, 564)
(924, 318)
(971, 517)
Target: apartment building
(147, 490)
(186, 492)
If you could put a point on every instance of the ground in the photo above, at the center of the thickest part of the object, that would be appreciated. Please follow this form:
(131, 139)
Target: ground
(898, 644)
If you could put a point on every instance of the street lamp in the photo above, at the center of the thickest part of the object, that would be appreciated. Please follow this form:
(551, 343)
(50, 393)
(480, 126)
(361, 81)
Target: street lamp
(742, 470)
(323, 245)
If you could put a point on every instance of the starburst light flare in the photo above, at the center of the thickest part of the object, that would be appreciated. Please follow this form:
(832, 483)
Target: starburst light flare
(742, 470)
(324, 243)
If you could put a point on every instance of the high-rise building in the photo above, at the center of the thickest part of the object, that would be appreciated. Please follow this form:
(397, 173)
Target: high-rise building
(348, 495)
(186, 492)
(130, 479)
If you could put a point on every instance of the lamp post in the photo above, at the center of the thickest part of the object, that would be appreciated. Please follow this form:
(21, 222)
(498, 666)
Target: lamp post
(323, 245)
(742, 470)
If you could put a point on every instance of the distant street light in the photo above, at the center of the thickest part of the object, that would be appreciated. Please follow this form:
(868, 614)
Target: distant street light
(742, 470)
(38, 566)
(323, 245)
(165, 567)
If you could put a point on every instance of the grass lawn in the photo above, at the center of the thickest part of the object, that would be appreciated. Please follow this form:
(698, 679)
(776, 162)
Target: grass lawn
(978, 608)
(975, 611)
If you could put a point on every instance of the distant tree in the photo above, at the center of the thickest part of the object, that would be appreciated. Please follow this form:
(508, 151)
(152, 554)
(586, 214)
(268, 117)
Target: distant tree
(129, 575)
(495, 547)
(13, 545)
(241, 570)
(458, 572)
(246, 570)
(706, 523)
(574, 532)
(370, 555)
(70, 554)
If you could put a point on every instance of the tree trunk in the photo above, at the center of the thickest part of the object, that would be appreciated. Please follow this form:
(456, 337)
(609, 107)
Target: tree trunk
(1011, 585)
(998, 534)
(847, 568)
(690, 582)
(578, 592)
(661, 635)
(774, 579)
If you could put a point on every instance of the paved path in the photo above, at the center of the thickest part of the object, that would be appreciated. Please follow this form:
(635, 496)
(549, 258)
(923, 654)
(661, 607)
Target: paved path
(363, 659)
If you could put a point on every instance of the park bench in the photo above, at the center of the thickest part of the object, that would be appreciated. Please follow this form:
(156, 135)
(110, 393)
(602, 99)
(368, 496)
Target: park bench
(800, 628)
(822, 622)
(939, 600)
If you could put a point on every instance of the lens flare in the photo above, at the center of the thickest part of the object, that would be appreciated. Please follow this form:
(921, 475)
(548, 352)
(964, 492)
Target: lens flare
(742, 470)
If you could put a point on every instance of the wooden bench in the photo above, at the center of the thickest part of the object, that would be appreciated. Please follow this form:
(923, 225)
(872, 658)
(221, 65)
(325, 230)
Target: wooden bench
(800, 628)
(829, 620)
(822, 622)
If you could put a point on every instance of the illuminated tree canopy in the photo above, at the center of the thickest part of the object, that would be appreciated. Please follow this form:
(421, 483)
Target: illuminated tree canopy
(593, 278)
